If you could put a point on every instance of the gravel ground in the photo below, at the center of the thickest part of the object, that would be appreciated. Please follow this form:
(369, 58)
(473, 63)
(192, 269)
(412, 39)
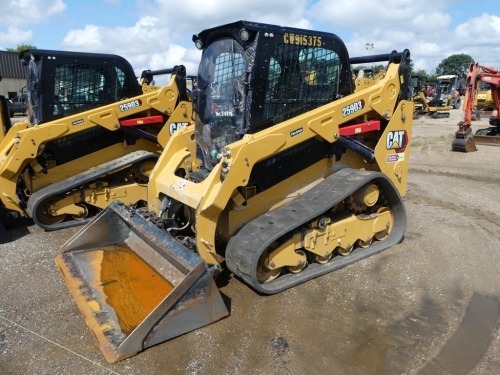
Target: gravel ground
(430, 305)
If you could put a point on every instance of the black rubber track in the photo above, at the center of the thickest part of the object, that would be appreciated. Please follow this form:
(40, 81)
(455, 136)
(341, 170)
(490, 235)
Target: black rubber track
(245, 248)
(79, 180)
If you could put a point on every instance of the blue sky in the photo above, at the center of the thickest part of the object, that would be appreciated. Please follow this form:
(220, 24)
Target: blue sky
(157, 34)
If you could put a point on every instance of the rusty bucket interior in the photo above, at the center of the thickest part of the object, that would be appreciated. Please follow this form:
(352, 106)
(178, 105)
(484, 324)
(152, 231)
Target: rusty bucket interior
(135, 285)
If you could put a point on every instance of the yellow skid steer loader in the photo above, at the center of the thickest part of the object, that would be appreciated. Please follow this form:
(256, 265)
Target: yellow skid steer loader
(292, 170)
(94, 135)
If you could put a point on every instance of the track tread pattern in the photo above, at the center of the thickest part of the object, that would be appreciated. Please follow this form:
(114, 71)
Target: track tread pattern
(78, 180)
(245, 248)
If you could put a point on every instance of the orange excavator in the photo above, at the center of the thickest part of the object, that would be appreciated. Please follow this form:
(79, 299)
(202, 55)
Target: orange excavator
(464, 140)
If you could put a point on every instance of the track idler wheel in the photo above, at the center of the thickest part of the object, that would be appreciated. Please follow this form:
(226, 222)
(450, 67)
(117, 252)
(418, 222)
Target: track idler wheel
(281, 257)
(301, 264)
(44, 215)
(84, 213)
(264, 272)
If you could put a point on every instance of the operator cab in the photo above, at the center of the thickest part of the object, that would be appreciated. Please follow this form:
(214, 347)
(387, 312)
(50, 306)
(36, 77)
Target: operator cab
(62, 83)
(253, 76)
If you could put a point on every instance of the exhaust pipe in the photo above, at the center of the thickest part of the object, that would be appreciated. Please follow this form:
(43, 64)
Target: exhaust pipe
(136, 285)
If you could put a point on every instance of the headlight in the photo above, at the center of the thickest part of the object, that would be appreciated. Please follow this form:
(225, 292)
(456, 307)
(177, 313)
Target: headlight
(244, 35)
(199, 44)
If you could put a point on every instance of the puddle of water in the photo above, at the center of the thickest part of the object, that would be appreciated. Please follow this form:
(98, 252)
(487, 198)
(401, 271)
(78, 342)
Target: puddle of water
(470, 341)
(396, 349)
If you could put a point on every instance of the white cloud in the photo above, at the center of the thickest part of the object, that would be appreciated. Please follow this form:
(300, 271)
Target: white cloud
(15, 36)
(479, 38)
(138, 38)
(193, 15)
(480, 29)
(146, 45)
(386, 14)
(422, 26)
(161, 34)
(23, 13)
(86, 39)
(18, 18)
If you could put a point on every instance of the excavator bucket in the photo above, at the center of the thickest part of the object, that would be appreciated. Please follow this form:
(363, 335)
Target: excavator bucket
(135, 285)
(464, 140)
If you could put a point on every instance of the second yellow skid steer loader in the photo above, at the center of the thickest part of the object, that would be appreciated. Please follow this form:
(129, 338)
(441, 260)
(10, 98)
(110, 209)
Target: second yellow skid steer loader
(94, 136)
(292, 170)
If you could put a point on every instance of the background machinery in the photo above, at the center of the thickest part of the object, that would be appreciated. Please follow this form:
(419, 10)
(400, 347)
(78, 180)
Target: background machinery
(94, 133)
(439, 101)
(484, 98)
(282, 179)
(464, 140)
(418, 87)
(448, 90)
(445, 96)
(483, 105)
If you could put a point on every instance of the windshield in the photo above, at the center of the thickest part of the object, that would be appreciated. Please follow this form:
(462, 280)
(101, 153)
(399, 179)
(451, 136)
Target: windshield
(222, 79)
(80, 87)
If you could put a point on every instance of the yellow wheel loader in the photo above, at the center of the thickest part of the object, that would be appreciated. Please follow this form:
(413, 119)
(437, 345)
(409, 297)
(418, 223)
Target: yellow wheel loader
(93, 136)
(282, 179)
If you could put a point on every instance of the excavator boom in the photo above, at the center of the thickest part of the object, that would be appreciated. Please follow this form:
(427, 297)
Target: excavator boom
(465, 140)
